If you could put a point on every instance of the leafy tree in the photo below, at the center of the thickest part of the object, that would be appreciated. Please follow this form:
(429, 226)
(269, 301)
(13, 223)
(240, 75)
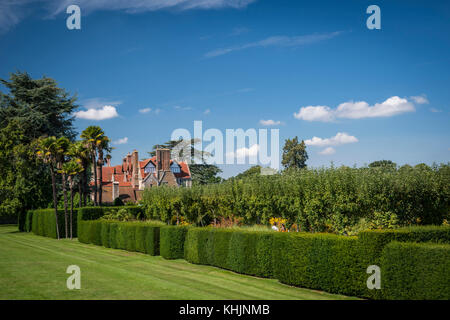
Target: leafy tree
(387, 164)
(180, 146)
(253, 171)
(62, 147)
(102, 146)
(205, 173)
(29, 109)
(294, 154)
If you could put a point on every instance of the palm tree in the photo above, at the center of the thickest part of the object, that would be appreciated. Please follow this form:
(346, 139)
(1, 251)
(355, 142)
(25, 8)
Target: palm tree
(102, 146)
(91, 135)
(62, 145)
(47, 150)
(80, 153)
(71, 169)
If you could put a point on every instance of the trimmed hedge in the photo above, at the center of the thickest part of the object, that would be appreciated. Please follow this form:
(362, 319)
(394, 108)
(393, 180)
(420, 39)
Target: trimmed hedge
(247, 252)
(29, 221)
(415, 271)
(43, 223)
(172, 242)
(130, 236)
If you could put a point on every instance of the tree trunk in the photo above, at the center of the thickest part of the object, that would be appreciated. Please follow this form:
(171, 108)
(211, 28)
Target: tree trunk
(84, 185)
(100, 165)
(95, 179)
(55, 201)
(80, 191)
(71, 206)
(63, 175)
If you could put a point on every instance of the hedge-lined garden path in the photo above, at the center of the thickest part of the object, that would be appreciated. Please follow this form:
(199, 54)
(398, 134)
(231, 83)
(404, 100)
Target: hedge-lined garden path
(34, 267)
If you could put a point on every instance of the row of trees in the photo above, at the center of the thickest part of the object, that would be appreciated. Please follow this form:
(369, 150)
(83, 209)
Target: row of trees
(72, 161)
(340, 200)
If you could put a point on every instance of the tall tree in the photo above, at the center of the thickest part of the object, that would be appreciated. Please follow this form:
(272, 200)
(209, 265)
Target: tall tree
(102, 146)
(48, 151)
(62, 145)
(29, 109)
(71, 169)
(386, 164)
(80, 153)
(92, 136)
(294, 154)
(205, 173)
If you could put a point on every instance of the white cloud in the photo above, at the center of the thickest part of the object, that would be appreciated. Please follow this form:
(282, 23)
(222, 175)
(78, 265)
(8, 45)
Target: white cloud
(270, 122)
(207, 111)
(145, 110)
(13, 11)
(327, 151)
(339, 139)
(279, 41)
(158, 111)
(420, 99)
(314, 113)
(106, 112)
(121, 141)
(434, 110)
(244, 152)
(356, 110)
(182, 108)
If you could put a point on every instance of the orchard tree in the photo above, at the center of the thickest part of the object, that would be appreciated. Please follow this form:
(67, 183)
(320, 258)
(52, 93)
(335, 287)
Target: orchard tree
(294, 154)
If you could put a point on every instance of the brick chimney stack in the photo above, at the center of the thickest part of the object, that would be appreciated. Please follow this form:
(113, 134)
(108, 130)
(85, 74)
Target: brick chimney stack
(163, 159)
(135, 163)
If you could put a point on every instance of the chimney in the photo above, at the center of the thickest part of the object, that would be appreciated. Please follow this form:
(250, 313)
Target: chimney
(135, 159)
(163, 159)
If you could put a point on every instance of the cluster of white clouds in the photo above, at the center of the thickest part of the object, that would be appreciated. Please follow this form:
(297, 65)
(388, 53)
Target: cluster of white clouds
(278, 41)
(103, 113)
(339, 139)
(358, 110)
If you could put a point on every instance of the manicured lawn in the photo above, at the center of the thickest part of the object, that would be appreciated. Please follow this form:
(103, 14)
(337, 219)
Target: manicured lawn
(34, 267)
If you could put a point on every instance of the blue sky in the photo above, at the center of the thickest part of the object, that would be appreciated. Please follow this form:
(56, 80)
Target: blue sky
(312, 67)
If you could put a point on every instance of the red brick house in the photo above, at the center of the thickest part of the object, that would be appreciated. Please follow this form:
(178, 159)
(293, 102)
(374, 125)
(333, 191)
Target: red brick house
(128, 180)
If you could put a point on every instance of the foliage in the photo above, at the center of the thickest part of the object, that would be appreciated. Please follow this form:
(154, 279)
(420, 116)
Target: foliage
(172, 242)
(294, 154)
(43, 223)
(416, 271)
(119, 215)
(204, 173)
(337, 200)
(118, 202)
(253, 171)
(386, 164)
(131, 236)
(29, 109)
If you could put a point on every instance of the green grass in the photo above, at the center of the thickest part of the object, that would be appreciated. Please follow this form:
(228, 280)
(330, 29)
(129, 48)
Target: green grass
(34, 267)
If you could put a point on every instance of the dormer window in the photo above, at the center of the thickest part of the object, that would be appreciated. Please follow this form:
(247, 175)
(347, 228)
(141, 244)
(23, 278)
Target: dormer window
(149, 168)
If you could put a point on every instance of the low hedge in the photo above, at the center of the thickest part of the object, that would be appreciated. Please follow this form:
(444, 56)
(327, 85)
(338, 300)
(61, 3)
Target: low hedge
(131, 236)
(43, 223)
(247, 252)
(415, 271)
(28, 221)
(172, 242)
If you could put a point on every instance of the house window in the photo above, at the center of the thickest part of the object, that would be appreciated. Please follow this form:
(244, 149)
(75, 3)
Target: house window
(150, 168)
(175, 168)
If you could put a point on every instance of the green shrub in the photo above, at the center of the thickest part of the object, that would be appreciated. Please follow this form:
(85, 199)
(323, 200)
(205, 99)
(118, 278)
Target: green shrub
(415, 271)
(172, 242)
(130, 232)
(105, 234)
(147, 239)
(113, 227)
(118, 202)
